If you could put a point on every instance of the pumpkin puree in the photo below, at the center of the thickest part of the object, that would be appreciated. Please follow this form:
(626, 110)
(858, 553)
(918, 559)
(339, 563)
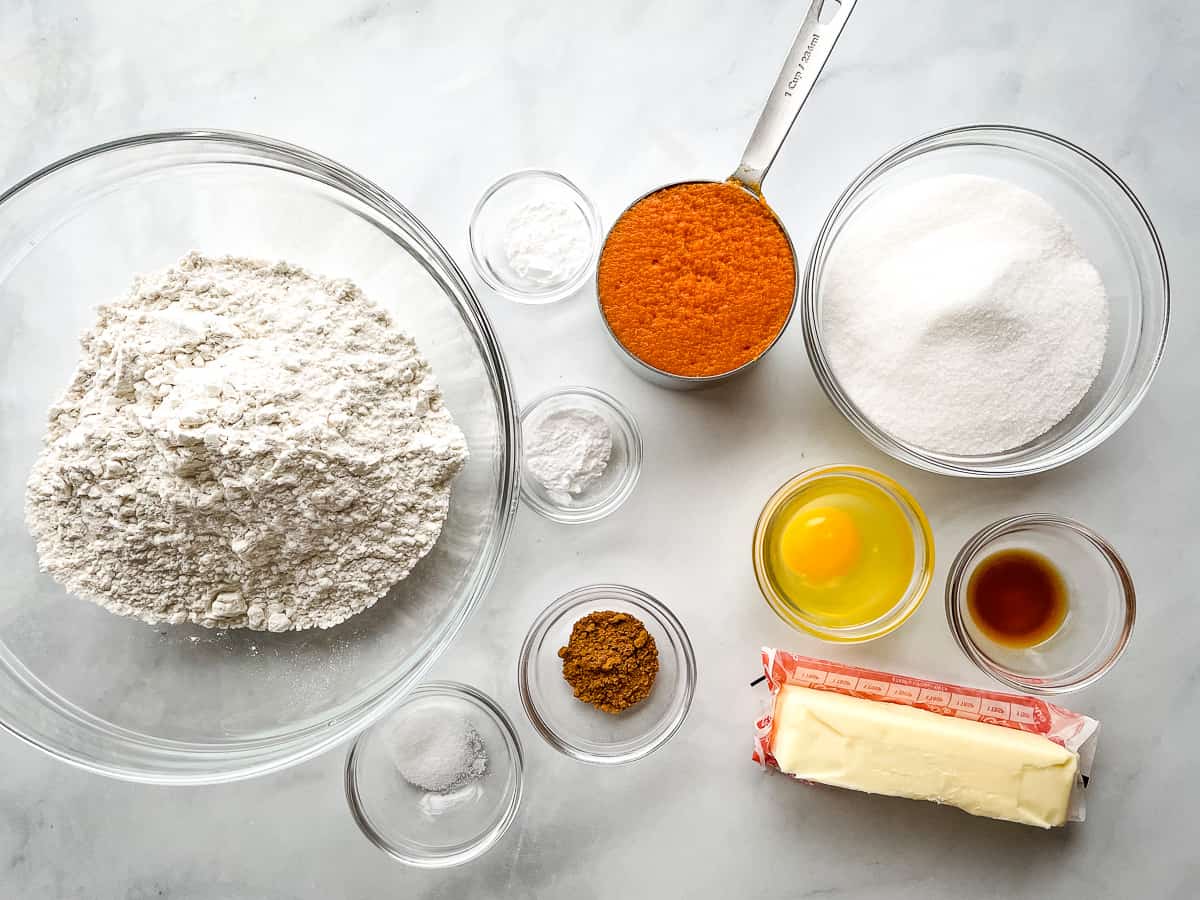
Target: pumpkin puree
(697, 279)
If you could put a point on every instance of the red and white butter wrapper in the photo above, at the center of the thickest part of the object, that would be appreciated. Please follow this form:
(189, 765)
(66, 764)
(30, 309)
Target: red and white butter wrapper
(1075, 732)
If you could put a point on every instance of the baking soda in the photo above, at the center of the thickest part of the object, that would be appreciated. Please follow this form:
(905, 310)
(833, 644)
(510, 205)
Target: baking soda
(547, 241)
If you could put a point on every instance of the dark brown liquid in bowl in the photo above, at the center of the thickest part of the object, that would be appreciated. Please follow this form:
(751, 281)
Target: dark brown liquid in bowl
(1017, 598)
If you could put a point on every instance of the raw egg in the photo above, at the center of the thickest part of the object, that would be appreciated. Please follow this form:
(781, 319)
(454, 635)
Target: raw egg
(841, 552)
(821, 544)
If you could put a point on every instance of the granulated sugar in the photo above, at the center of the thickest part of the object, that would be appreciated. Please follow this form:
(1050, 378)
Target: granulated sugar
(960, 315)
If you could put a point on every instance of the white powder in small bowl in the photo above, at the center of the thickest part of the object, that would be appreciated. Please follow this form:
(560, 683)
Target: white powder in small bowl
(547, 241)
(437, 750)
(960, 315)
(567, 451)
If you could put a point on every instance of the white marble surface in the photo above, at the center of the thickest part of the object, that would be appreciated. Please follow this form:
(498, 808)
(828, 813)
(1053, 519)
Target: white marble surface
(434, 100)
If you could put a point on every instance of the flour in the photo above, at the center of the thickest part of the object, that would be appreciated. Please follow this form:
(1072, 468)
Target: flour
(567, 450)
(243, 444)
(437, 750)
(959, 314)
(546, 241)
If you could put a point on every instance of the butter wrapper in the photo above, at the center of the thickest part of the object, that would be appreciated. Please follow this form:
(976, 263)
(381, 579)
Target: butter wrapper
(1077, 733)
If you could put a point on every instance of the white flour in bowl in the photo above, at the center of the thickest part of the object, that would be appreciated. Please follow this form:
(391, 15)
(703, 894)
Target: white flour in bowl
(960, 314)
(246, 445)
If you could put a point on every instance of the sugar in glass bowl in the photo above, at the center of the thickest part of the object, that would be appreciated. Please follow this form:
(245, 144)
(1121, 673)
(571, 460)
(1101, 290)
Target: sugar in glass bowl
(184, 704)
(1107, 221)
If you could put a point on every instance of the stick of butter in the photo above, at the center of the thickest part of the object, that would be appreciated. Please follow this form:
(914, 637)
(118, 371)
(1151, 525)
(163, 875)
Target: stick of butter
(900, 751)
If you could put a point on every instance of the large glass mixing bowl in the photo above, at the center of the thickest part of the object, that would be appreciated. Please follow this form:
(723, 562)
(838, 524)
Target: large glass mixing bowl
(184, 704)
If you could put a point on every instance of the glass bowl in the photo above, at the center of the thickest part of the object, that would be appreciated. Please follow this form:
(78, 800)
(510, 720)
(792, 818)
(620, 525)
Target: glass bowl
(1101, 605)
(486, 235)
(905, 605)
(1109, 223)
(620, 475)
(580, 730)
(184, 704)
(436, 829)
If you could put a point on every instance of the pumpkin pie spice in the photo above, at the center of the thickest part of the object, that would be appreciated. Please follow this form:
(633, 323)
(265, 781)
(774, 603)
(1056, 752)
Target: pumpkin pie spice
(610, 660)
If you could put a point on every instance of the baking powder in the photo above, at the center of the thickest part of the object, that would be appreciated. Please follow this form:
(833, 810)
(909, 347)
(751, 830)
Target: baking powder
(567, 450)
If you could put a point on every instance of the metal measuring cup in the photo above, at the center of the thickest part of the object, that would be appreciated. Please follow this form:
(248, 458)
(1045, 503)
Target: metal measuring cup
(819, 32)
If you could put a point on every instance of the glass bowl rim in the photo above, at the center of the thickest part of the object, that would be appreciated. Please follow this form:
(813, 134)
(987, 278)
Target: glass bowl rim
(914, 596)
(633, 471)
(950, 464)
(549, 295)
(978, 542)
(643, 602)
(193, 762)
(486, 839)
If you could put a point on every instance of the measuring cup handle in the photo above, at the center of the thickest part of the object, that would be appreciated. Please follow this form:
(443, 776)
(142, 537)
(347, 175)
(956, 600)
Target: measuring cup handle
(813, 45)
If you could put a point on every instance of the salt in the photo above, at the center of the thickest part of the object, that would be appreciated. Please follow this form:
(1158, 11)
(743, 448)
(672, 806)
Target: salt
(437, 750)
(960, 315)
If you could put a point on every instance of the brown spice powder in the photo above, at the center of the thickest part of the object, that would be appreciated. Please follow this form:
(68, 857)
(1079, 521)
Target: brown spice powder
(610, 660)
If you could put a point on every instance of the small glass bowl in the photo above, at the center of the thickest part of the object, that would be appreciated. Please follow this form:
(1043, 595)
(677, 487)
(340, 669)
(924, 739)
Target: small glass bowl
(906, 604)
(620, 475)
(1101, 605)
(1110, 224)
(436, 830)
(580, 730)
(496, 208)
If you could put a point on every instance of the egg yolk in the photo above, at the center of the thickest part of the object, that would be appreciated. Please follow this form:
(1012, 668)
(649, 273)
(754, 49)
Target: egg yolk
(820, 544)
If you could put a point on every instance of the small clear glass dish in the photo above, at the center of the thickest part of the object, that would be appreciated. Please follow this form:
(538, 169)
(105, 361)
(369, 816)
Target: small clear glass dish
(489, 222)
(802, 620)
(1100, 605)
(1105, 217)
(578, 729)
(434, 830)
(620, 476)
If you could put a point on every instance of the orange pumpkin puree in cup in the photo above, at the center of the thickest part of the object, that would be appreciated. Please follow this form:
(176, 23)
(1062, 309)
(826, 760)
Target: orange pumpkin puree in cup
(697, 279)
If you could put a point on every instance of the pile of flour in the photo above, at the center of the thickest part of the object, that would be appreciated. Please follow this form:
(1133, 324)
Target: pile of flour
(246, 445)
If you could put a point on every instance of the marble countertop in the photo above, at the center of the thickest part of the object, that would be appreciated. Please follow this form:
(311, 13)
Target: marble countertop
(433, 101)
